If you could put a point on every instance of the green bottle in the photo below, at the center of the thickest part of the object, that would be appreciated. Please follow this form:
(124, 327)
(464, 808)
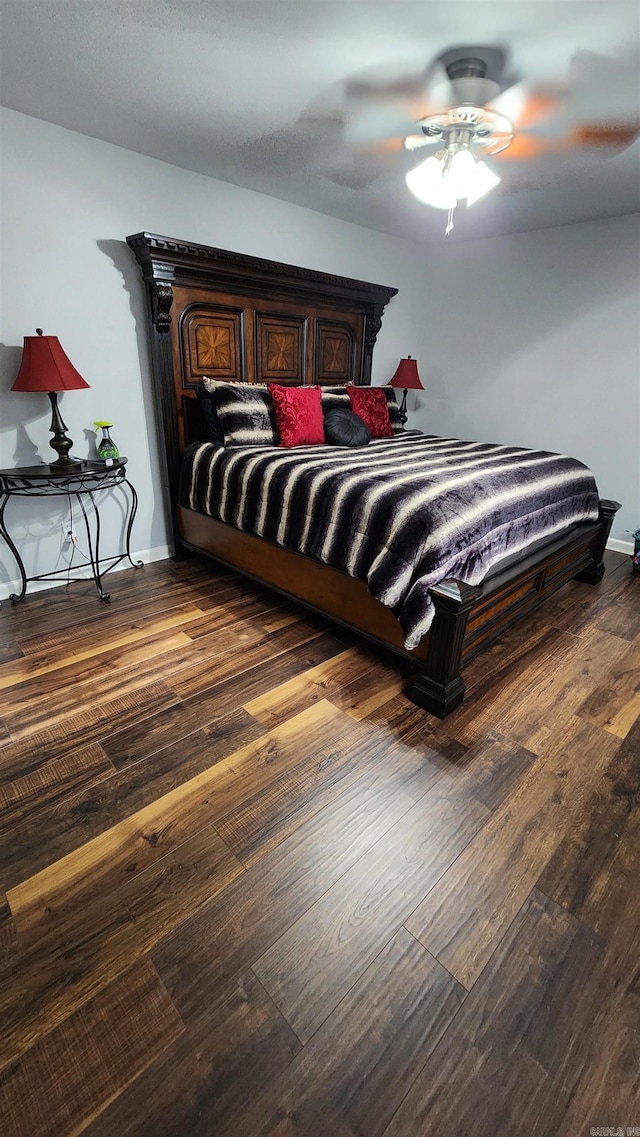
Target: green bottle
(107, 449)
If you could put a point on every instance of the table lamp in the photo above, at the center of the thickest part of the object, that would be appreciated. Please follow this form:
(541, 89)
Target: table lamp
(406, 376)
(45, 367)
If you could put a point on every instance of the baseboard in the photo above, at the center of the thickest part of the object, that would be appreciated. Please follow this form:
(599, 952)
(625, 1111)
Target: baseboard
(617, 546)
(160, 553)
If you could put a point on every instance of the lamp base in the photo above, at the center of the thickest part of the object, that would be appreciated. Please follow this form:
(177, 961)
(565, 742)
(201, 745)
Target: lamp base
(402, 410)
(60, 442)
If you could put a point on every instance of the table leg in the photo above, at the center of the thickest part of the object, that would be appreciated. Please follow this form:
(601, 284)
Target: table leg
(132, 514)
(15, 596)
(94, 557)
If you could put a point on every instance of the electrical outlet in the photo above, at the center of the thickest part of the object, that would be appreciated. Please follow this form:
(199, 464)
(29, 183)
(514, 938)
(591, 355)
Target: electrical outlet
(71, 537)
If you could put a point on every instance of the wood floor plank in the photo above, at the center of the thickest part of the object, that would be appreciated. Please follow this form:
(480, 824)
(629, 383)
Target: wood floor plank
(266, 817)
(57, 973)
(99, 620)
(129, 847)
(355, 1071)
(211, 1072)
(312, 966)
(560, 673)
(152, 734)
(8, 931)
(68, 607)
(226, 612)
(406, 722)
(621, 620)
(69, 1076)
(89, 647)
(355, 681)
(51, 670)
(89, 724)
(133, 669)
(212, 666)
(63, 829)
(513, 663)
(579, 874)
(465, 915)
(10, 652)
(228, 934)
(606, 1067)
(489, 1072)
(246, 683)
(28, 796)
(24, 706)
(615, 703)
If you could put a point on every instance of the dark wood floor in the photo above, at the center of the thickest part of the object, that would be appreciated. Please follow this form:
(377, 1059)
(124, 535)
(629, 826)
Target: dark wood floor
(249, 889)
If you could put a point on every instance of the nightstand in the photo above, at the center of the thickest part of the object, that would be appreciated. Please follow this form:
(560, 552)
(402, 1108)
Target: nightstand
(86, 484)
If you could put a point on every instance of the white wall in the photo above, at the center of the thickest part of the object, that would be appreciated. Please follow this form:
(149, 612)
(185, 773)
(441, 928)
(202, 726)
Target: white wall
(68, 202)
(534, 339)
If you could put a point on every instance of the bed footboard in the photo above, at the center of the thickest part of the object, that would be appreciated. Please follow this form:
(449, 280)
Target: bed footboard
(467, 619)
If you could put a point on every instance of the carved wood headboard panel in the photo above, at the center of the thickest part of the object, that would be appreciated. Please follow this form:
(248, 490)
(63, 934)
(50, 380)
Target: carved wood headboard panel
(240, 318)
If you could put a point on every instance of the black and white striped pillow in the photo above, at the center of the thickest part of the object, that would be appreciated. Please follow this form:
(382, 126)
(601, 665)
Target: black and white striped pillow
(254, 429)
(246, 415)
(394, 410)
(244, 412)
(334, 397)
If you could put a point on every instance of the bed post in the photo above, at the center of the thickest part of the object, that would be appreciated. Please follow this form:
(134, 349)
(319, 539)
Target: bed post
(594, 572)
(440, 689)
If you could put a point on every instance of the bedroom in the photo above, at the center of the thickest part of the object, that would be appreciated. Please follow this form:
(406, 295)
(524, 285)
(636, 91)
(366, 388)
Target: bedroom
(527, 338)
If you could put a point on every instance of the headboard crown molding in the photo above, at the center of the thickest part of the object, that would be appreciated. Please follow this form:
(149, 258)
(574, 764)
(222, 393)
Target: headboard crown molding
(174, 261)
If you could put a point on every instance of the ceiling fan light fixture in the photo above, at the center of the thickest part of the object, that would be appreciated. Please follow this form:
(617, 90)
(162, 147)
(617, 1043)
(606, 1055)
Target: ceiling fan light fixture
(461, 173)
(429, 185)
(484, 180)
(451, 176)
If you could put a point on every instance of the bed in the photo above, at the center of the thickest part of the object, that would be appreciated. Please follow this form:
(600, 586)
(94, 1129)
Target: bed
(247, 321)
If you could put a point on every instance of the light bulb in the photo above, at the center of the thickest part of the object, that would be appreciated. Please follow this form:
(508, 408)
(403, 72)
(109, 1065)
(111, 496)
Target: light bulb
(461, 173)
(428, 185)
(484, 180)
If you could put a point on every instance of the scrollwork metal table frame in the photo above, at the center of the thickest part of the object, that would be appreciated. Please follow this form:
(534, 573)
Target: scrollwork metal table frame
(81, 482)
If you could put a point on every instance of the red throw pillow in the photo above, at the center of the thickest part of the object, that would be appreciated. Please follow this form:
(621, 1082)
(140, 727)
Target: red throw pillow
(298, 413)
(372, 406)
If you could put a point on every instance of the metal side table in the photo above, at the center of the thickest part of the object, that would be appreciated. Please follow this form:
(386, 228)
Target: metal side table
(82, 483)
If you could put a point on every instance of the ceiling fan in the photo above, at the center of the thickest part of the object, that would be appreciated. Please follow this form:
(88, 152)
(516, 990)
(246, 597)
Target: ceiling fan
(468, 107)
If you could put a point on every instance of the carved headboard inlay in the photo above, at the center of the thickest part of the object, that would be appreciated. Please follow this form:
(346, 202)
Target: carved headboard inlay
(241, 318)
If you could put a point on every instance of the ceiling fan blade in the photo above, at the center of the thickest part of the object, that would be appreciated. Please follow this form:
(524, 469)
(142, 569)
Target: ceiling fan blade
(375, 105)
(603, 137)
(606, 138)
(525, 147)
(377, 121)
(526, 107)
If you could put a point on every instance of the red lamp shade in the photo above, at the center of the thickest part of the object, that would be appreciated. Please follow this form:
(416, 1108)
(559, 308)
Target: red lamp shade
(406, 375)
(45, 367)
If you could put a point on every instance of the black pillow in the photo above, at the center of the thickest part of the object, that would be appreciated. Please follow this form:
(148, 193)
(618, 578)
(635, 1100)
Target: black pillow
(343, 427)
(207, 404)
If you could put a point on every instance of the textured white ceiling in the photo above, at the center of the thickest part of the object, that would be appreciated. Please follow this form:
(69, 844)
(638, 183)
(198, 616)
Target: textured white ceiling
(219, 86)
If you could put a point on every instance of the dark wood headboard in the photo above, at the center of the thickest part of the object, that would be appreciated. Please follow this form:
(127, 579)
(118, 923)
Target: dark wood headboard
(241, 318)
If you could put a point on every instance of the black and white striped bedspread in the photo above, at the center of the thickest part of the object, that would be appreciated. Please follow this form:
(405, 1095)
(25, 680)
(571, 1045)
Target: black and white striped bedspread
(402, 514)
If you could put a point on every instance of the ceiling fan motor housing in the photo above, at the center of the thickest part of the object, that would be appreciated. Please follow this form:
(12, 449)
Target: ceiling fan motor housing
(467, 122)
